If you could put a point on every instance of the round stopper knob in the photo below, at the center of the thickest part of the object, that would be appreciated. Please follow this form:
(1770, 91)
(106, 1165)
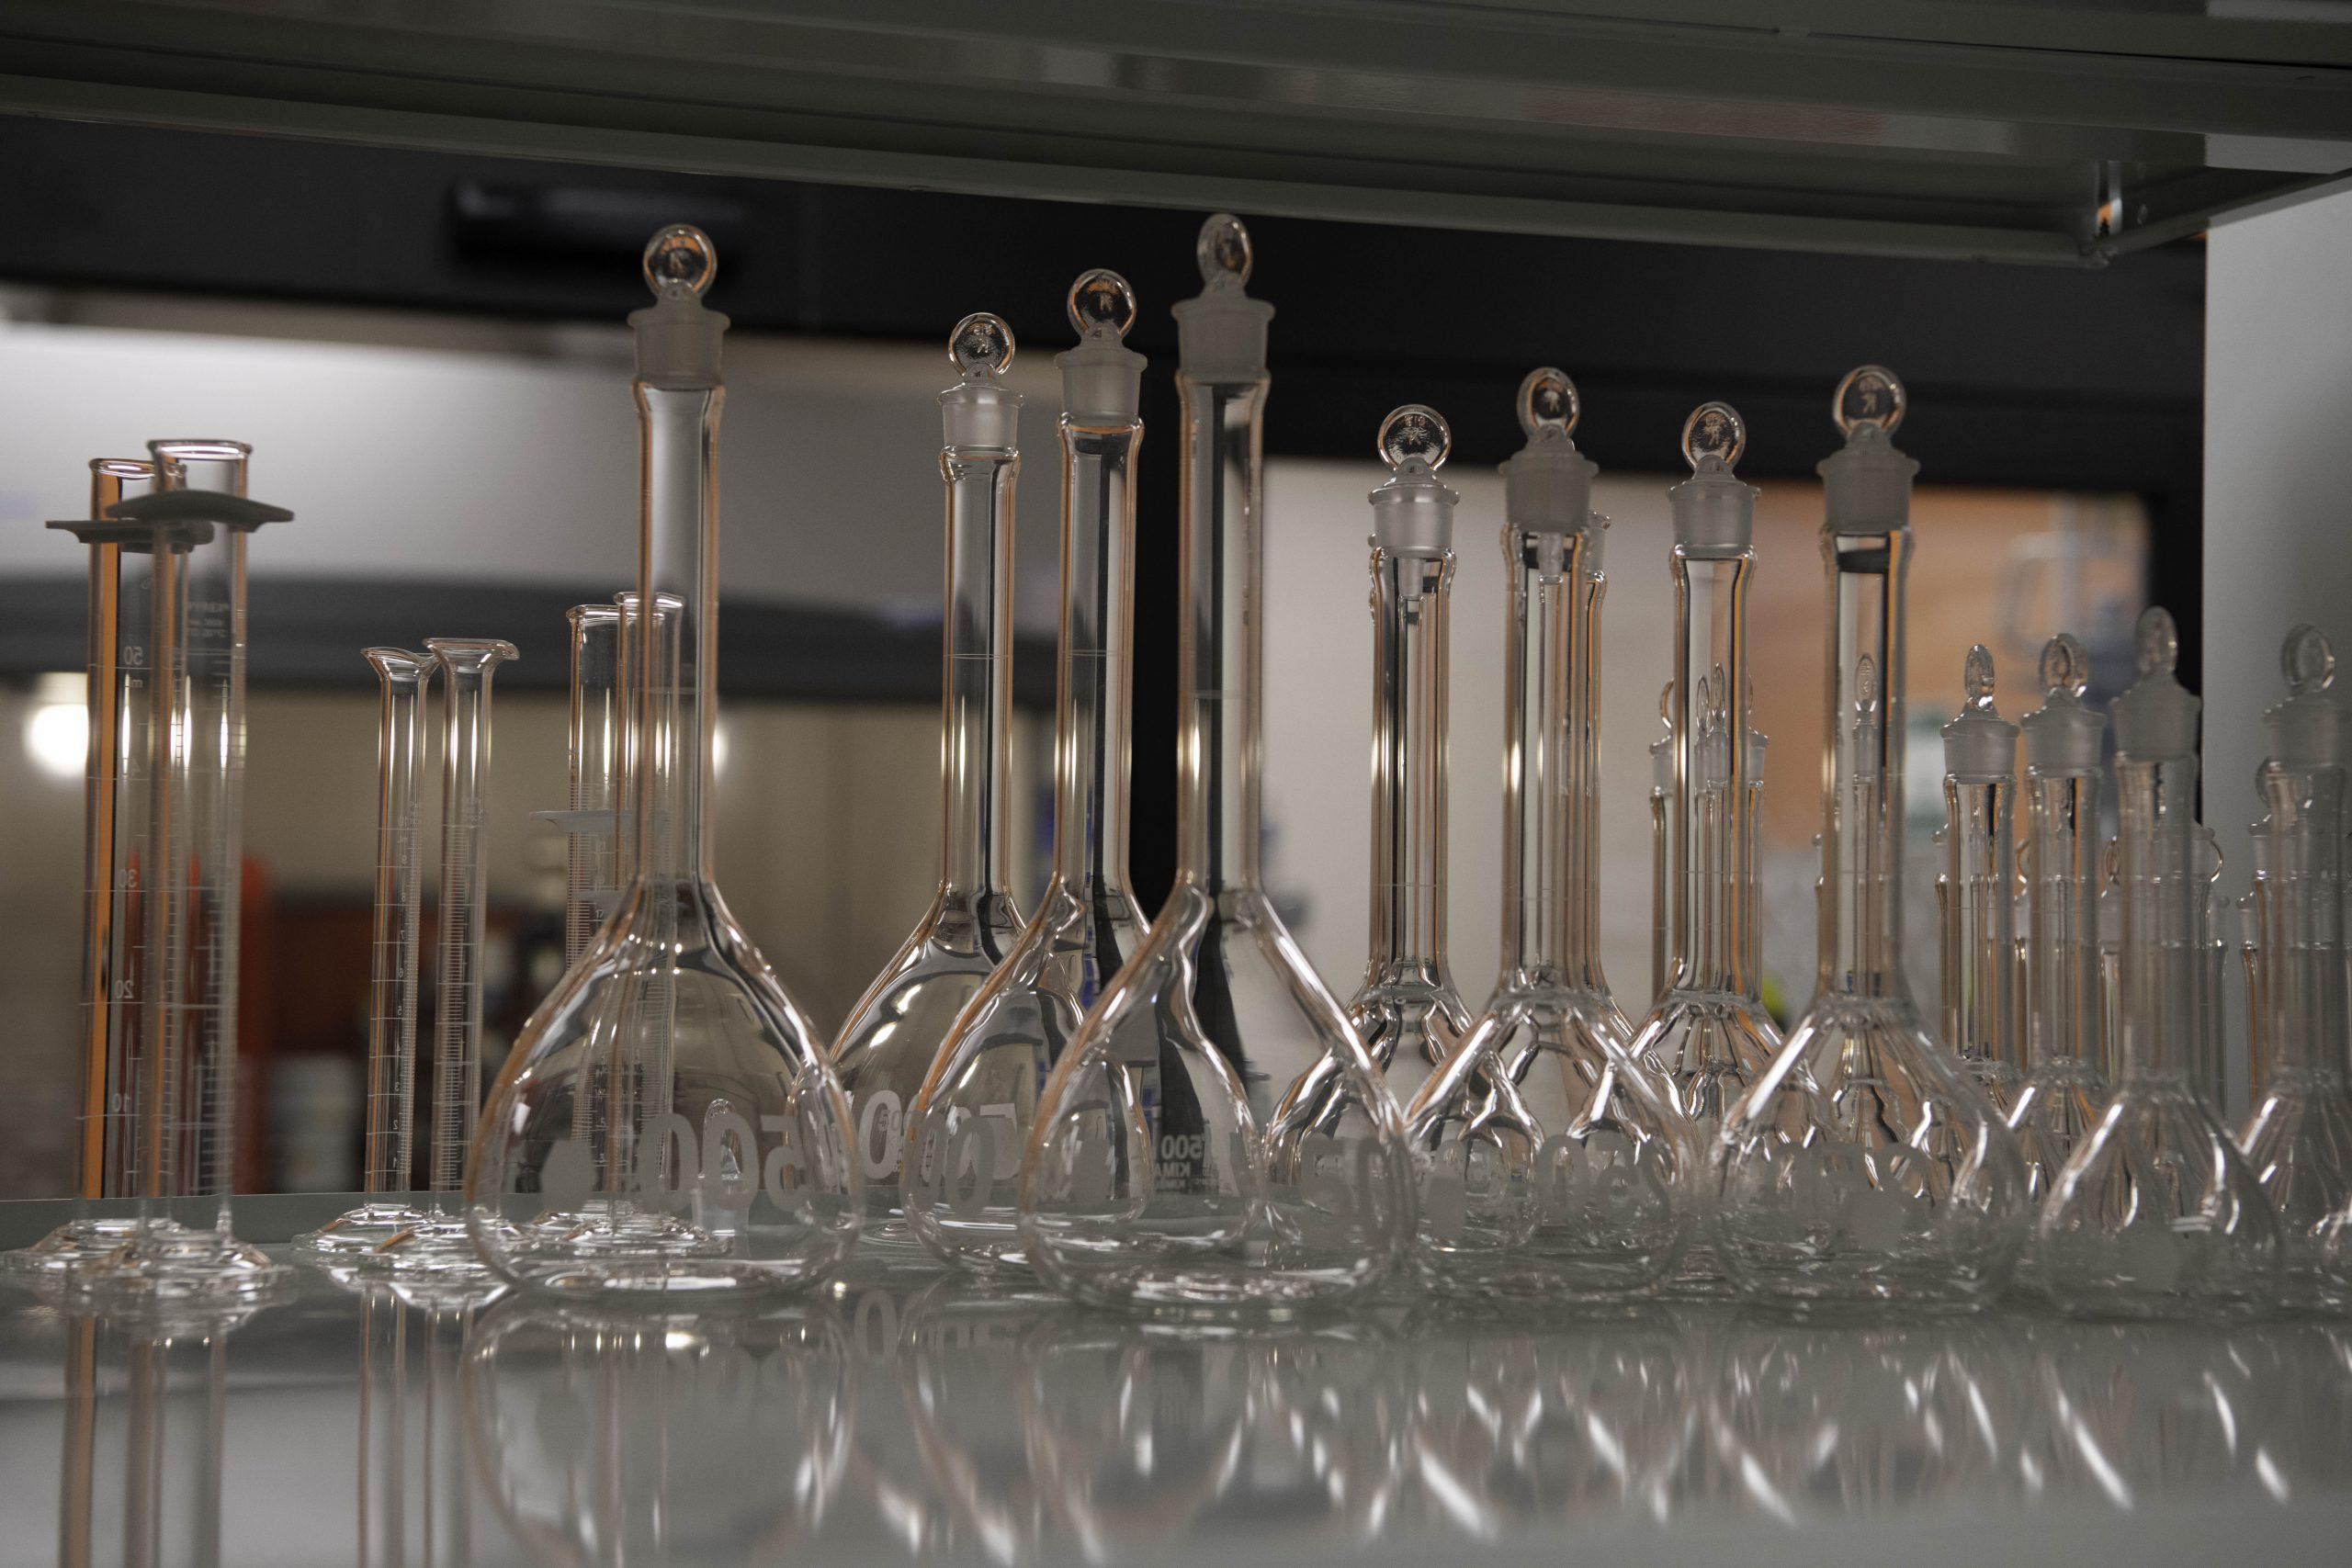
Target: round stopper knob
(2308, 661)
(2158, 641)
(1548, 401)
(1976, 677)
(680, 260)
(1714, 430)
(1415, 433)
(1870, 395)
(1101, 298)
(981, 344)
(2065, 666)
(1223, 250)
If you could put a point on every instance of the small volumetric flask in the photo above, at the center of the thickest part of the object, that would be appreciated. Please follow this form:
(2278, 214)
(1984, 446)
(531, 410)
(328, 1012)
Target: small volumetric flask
(725, 1167)
(973, 1114)
(1215, 1138)
(895, 1031)
(1707, 1037)
(2299, 1138)
(2064, 1086)
(1977, 892)
(1862, 1167)
(2155, 1213)
(1554, 1166)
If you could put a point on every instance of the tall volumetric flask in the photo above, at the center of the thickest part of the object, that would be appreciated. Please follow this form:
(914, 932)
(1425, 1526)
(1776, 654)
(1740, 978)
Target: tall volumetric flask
(1406, 1012)
(1553, 1164)
(1862, 1165)
(1707, 1035)
(1216, 1137)
(183, 1250)
(114, 981)
(725, 1167)
(974, 1113)
(2299, 1138)
(1977, 891)
(390, 1147)
(894, 1033)
(2064, 1086)
(2155, 1213)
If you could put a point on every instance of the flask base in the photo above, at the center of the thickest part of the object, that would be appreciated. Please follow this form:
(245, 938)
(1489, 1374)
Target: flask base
(73, 1244)
(359, 1231)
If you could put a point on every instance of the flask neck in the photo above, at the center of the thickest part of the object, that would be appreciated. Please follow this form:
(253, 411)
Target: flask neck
(672, 648)
(1092, 731)
(2299, 905)
(1583, 958)
(2161, 887)
(1221, 645)
(1541, 807)
(1411, 607)
(1711, 819)
(1979, 900)
(1861, 830)
(2065, 1008)
(976, 714)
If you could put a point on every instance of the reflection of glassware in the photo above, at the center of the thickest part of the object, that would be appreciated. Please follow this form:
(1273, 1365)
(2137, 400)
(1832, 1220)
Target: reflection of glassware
(725, 1167)
(968, 1124)
(1978, 889)
(182, 1251)
(1216, 1136)
(959, 1363)
(114, 977)
(1707, 1034)
(2065, 1009)
(391, 1016)
(2156, 1210)
(415, 1489)
(1406, 1011)
(1862, 1165)
(2299, 1139)
(890, 1038)
(1554, 1163)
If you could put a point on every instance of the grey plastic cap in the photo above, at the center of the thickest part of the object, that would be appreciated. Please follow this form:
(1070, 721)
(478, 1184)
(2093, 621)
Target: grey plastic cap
(2064, 735)
(1715, 514)
(1547, 484)
(1412, 513)
(1979, 744)
(1101, 378)
(2306, 730)
(2156, 718)
(979, 413)
(1221, 331)
(678, 336)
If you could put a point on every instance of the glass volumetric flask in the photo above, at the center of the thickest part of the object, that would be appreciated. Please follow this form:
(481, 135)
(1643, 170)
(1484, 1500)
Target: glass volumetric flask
(1862, 1165)
(183, 1250)
(724, 1169)
(1977, 892)
(115, 983)
(889, 1041)
(2064, 1086)
(2155, 1212)
(1217, 1136)
(1707, 1035)
(390, 1148)
(1553, 1165)
(2299, 1138)
(970, 1118)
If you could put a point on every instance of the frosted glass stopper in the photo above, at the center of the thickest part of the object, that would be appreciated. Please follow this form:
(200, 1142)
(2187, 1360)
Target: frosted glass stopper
(1976, 678)
(1100, 297)
(981, 345)
(2158, 640)
(1714, 430)
(1548, 401)
(680, 260)
(1223, 251)
(2308, 661)
(1414, 435)
(1870, 395)
(2065, 666)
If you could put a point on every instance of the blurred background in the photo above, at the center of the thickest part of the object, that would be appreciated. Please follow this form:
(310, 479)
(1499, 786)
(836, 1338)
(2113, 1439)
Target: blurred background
(431, 366)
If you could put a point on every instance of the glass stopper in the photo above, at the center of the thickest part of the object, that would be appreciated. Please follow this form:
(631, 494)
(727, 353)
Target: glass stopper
(1976, 678)
(680, 260)
(2065, 666)
(981, 344)
(2308, 659)
(1223, 251)
(1547, 401)
(1415, 434)
(1101, 298)
(1870, 395)
(1714, 430)
(2158, 640)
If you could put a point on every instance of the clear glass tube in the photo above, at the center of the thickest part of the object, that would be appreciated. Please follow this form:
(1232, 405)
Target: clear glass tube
(725, 1168)
(1862, 1165)
(114, 982)
(1977, 892)
(1216, 1137)
(976, 1107)
(2155, 1213)
(598, 794)
(390, 1151)
(896, 1030)
(1554, 1163)
(1662, 814)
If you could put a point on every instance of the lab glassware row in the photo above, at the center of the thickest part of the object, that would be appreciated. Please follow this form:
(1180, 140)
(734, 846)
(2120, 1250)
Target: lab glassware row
(1176, 1113)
